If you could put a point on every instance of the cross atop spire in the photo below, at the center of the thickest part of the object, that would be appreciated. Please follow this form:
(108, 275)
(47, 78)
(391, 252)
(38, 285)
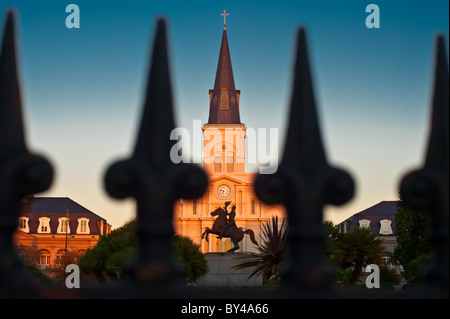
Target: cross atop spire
(224, 14)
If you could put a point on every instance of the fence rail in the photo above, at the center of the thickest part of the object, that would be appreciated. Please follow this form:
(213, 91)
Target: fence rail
(304, 183)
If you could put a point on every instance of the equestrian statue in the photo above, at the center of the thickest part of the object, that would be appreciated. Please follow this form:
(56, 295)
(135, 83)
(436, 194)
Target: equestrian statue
(225, 227)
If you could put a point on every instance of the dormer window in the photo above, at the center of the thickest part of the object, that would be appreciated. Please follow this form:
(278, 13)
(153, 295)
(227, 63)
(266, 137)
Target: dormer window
(23, 224)
(385, 227)
(63, 227)
(44, 225)
(224, 99)
(364, 223)
(83, 226)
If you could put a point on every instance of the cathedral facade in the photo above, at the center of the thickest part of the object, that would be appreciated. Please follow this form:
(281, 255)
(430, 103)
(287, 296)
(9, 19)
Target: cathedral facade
(224, 162)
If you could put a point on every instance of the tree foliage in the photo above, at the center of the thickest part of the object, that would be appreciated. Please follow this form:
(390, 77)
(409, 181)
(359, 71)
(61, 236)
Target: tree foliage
(414, 248)
(111, 254)
(349, 252)
(191, 258)
(115, 252)
(362, 247)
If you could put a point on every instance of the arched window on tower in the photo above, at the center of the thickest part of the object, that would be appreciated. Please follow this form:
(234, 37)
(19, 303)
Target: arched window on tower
(217, 164)
(230, 163)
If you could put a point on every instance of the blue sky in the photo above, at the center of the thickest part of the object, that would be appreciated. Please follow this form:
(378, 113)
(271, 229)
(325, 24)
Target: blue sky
(83, 88)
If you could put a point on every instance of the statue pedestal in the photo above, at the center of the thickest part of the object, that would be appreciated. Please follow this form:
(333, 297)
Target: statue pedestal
(221, 274)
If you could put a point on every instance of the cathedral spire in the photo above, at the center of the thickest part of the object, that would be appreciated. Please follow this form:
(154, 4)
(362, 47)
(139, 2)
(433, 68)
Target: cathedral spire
(224, 98)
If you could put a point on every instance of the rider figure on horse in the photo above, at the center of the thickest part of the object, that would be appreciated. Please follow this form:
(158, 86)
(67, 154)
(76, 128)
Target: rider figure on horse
(225, 226)
(230, 221)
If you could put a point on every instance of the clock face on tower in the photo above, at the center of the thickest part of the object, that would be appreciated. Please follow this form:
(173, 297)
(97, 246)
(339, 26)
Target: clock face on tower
(223, 191)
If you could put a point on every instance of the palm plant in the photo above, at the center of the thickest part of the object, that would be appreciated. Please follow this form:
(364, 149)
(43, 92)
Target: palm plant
(271, 253)
(362, 246)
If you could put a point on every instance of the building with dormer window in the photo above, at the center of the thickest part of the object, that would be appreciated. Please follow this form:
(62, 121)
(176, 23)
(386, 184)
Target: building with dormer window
(54, 226)
(380, 218)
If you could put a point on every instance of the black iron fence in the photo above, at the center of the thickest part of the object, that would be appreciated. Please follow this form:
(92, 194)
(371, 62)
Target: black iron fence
(304, 183)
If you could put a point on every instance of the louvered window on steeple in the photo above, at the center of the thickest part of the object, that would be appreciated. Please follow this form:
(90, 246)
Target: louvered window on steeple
(224, 99)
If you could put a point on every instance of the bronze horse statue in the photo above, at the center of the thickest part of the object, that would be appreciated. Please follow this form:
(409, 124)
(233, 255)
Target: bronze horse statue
(222, 228)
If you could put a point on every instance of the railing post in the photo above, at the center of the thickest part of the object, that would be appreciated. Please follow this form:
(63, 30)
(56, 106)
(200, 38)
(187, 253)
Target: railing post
(427, 187)
(152, 178)
(305, 182)
(21, 173)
